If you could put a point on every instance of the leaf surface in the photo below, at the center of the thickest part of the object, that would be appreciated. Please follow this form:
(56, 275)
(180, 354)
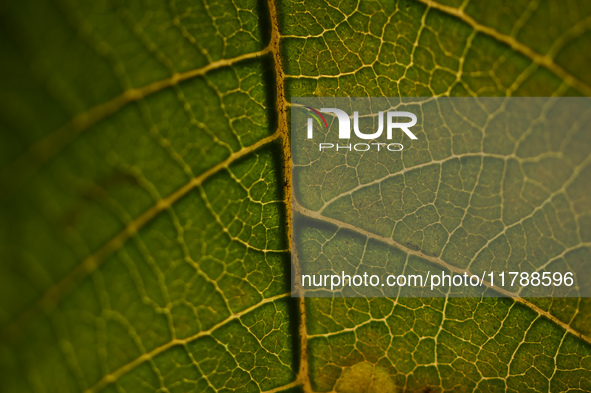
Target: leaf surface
(144, 222)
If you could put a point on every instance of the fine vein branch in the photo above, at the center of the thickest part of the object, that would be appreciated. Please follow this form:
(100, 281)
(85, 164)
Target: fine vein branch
(54, 294)
(48, 147)
(543, 60)
(440, 262)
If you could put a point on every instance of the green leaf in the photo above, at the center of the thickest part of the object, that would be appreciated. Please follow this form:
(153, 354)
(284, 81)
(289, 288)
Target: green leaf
(143, 156)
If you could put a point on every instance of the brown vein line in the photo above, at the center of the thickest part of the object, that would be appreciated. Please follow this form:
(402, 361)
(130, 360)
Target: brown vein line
(115, 375)
(303, 377)
(24, 167)
(543, 60)
(54, 294)
(280, 101)
(438, 261)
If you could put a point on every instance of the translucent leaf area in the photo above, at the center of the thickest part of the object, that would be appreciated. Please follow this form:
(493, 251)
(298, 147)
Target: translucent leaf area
(144, 177)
